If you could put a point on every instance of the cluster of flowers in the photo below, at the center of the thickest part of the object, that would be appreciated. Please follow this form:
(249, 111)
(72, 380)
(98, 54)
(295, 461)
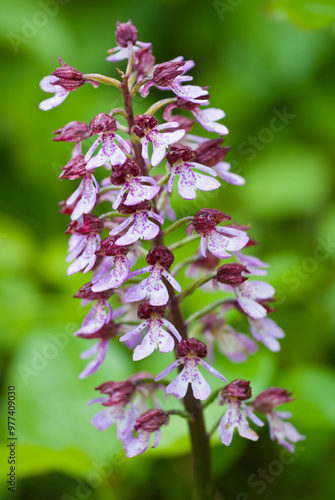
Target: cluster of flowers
(140, 206)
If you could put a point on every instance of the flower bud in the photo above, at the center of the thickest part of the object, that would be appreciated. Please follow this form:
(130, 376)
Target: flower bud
(108, 248)
(125, 33)
(86, 224)
(166, 72)
(119, 392)
(191, 106)
(231, 274)
(180, 152)
(267, 400)
(207, 218)
(151, 421)
(145, 310)
(121, 172)
(131, 209)
(72, 132)
(144, 61)
(161, 255)
(75, 168)
(85, 292)
(68, 77)
(106, 332)
(143, 123)
(239, 389)
(209, 152)
(191, 345)
(102, 123)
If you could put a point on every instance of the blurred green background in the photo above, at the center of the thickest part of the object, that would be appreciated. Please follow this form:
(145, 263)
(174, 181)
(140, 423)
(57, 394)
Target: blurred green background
(262, 60)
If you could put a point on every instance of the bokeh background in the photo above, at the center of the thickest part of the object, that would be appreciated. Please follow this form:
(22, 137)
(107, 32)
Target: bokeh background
(262, 60)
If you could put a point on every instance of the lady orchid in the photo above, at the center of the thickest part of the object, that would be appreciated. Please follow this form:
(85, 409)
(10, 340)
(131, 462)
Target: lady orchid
(112, 245)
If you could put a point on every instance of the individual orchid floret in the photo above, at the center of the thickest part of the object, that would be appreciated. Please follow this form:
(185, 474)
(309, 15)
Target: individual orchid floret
(206, 117)
(99, 350)
(141, 227)
(84, 196)
(115, 267)
(72, 132)
(146, 128)
(217, 239)
(282, 432)
(134, 189)
(211, 154)
(160, 259)
(156, 336)
(170, 75)
(110, 153)
(101, 312)
(83, 243)
(148, 423)
(126, 38)
(61, 82)
(190, 353)
(267, 331)
(250, 295)
(180, 158)
(116, 398)
(234, 394)
(234, 345)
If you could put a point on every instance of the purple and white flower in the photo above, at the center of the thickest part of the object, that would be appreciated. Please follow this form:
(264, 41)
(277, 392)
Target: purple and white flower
(99, 350)
(234, 345)
(61, 82)
(126, 39)
(190, 353)
(109, 154)
(170, 75)
(267, 331)
(141, 227)
(283, 432)
(135, 190)
(146, 128)
(152, 288)
(119, 410)
(114, 268)
(218, 240)
(148, 423)
(179, 157)
(82, 252)
(234, 394)
(84, 197)
(156, 336)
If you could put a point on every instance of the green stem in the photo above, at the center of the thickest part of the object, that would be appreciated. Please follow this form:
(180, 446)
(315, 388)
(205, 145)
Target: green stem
(214, 428)
(183, 263)
(95, 77)
(177, 224)
(130, 120)
(205, 310)
(183, 242)
(160, 104)
(194, 285)
(211, 398)
(183, 414)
